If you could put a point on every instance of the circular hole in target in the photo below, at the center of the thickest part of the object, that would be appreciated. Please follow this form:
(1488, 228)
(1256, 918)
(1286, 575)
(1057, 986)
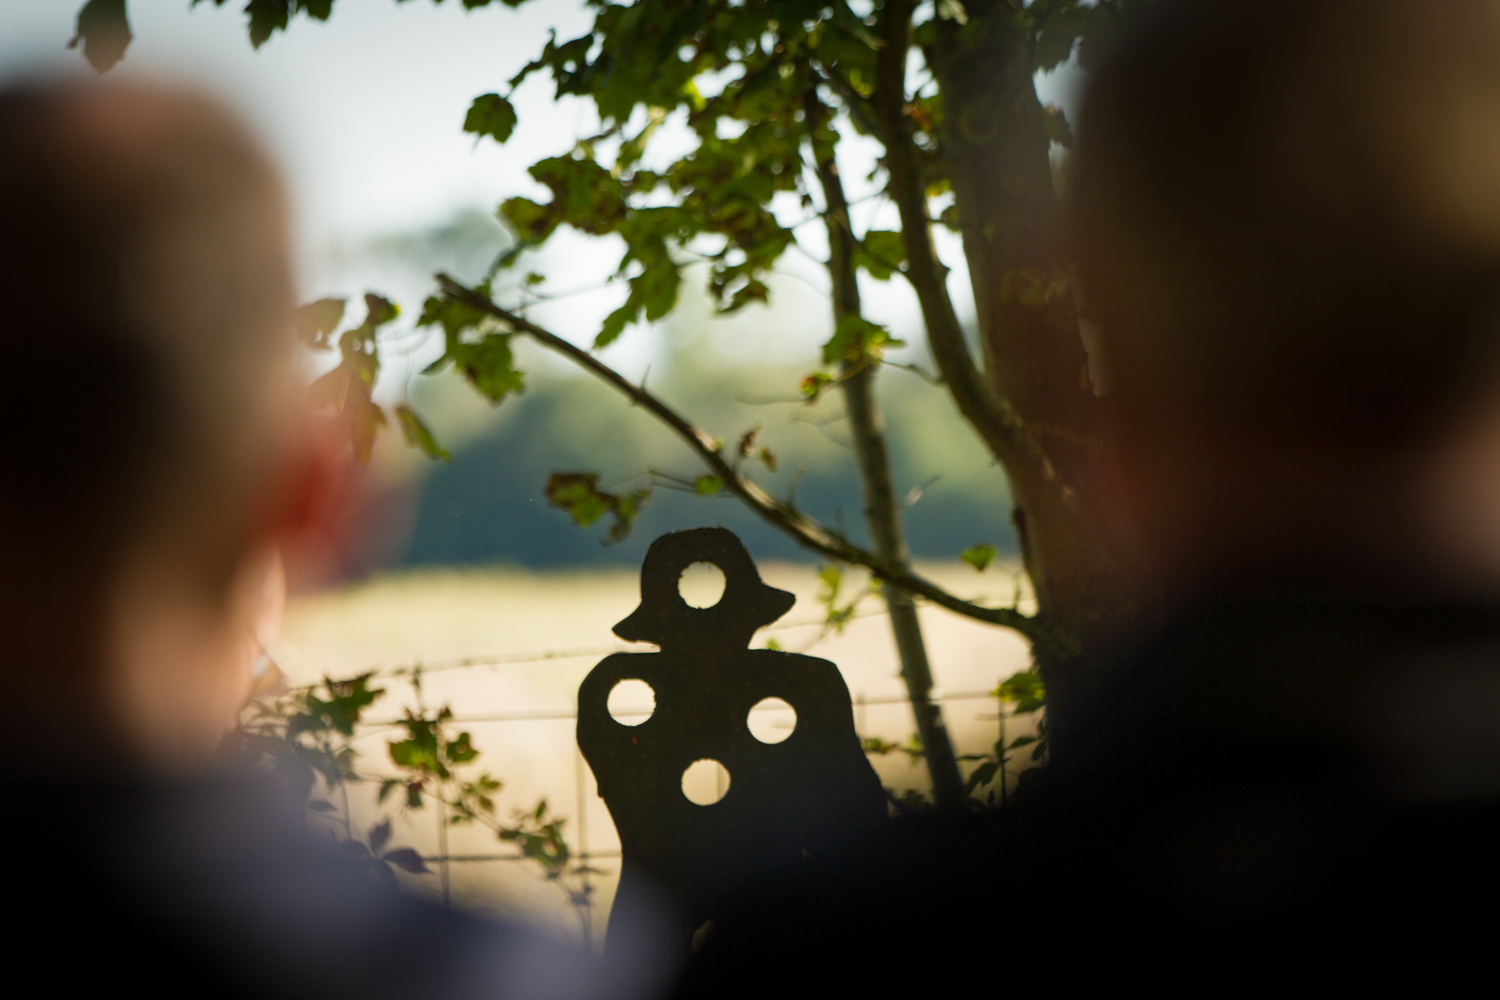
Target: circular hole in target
(701, 585)
(631, 702)
(771, 720)
(705, 782)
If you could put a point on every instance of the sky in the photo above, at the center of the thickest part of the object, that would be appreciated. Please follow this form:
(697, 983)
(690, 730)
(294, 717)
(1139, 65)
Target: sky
(364, 114)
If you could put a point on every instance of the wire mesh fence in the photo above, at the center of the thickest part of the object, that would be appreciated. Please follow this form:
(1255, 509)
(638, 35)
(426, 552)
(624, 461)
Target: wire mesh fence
(520, 705)
(590, 833)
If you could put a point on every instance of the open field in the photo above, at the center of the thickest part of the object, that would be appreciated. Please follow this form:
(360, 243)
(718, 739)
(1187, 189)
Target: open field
(508, 648)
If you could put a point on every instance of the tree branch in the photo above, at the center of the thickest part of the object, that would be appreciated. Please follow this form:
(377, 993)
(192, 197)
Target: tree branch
(780, 514)
(882, 511)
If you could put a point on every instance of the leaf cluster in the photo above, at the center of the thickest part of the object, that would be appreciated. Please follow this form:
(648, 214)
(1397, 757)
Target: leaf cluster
(263, 18)
(740, 75)
(1025, 693)
(345, 392)
(309, 734)
(475, 346)
(912, 747)
(579, 494)
(837, 615)
(433, 760)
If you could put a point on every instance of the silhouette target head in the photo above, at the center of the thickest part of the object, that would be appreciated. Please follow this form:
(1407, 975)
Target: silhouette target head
(667, 620)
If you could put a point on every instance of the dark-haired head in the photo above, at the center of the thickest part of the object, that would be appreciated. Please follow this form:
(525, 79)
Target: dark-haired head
(150, 413)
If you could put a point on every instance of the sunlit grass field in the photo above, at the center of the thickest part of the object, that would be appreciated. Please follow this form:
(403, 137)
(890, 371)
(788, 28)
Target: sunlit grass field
(508, 648)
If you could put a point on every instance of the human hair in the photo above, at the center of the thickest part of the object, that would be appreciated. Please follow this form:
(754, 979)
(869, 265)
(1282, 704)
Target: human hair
(146, 322)
(1287, 218)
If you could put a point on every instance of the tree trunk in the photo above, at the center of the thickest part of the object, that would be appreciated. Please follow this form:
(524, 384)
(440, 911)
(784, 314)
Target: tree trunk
(996, 148)
(1031, 402)
(882, 509)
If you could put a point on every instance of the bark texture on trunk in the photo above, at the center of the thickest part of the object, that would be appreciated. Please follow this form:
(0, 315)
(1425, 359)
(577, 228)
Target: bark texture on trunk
(996, 148)
(1031, 401)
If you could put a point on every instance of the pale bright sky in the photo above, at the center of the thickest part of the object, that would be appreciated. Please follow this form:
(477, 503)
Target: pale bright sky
(364, 114)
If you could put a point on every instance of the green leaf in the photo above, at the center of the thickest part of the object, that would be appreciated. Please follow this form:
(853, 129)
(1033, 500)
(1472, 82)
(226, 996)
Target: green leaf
(981, 775)
(491, 115)
(979, 555)
(489, 363)
(104, 30)
(857, 341)
(462, 750)
(533, 223)
(627, 508)
(418, 435)
(578, 493)
(813, 385)
(266, 18)
(614, 325)
(454, 316)
(707, 486)
(882, 253)
(490, 367)
(832, 578)
(1025, 690)
(340, 711)
(412, 755)
(316, 322)
(379, 311)
(653, 292)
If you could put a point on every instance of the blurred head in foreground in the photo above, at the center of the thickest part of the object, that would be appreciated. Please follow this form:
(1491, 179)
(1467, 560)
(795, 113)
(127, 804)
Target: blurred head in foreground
(1288, 222)
(154, 457)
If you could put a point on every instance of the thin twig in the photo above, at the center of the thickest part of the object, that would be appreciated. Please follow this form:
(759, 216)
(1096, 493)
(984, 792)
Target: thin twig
(916, 370)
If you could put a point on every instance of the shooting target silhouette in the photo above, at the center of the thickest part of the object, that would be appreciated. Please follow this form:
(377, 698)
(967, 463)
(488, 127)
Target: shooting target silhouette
(777, 803)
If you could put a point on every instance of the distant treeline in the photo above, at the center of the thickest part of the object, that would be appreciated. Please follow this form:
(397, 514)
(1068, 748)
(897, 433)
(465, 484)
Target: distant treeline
(487, 505)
